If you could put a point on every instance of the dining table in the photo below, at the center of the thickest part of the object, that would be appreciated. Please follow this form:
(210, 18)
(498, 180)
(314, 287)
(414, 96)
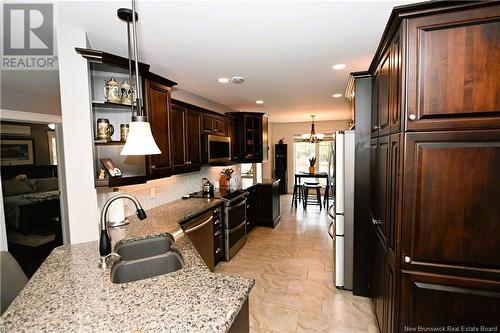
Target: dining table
(316, 175)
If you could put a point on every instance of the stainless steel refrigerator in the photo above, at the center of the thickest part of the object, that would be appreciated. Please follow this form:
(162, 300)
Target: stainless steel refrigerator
(344, 208)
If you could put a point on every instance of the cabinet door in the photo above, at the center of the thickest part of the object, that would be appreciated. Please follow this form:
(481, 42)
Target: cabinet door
(378, 280)
(233, 131)
(158, 109)
(395, 74)
(265, 139)
(178, 137)
(393, 190)
(252, 208)
(384, 97)
(207, 124)
(373, 178)
(389, 298)
(219, 126)
(451, 208)
(374, 120)
(453, 68)
(432, 300)
(382, 172)
(193, 139)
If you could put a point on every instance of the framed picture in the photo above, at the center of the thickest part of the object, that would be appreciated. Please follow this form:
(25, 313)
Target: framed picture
(17, 152)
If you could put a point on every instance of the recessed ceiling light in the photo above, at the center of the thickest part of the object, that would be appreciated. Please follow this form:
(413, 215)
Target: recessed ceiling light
(338, 66)
(223, 80)
(336, 95)
(259, 101)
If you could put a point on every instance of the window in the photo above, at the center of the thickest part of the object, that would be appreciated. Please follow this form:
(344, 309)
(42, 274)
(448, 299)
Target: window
(305, 150)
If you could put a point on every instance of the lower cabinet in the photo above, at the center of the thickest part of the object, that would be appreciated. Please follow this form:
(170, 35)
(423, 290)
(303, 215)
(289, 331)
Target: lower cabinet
(252, 208)
(218, 237)
(435, 300)
(269, 201)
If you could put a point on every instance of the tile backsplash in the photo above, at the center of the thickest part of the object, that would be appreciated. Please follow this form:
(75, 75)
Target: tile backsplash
(160, 191)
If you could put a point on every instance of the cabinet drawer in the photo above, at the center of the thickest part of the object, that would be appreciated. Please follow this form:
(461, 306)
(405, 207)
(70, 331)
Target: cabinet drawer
(451, 205)
(432, 300)
(453, 66)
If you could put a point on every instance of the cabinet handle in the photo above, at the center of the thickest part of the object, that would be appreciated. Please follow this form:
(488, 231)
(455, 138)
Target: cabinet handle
(375, 127)
(376, 222)
(218, 250)
(412, 117)
(248, 206)
(217, 233)
(407, 259)
(216, 210)
(188, 162)
(217, 222)
(153, 166)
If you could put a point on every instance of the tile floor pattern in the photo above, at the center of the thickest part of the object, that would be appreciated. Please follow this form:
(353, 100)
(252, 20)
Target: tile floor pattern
(293, 269)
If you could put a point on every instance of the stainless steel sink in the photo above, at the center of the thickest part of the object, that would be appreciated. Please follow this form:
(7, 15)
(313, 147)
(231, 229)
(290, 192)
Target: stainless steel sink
(144, 248)
(146, 258)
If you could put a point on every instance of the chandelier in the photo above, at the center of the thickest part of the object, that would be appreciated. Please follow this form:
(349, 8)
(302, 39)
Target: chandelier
(312, 137)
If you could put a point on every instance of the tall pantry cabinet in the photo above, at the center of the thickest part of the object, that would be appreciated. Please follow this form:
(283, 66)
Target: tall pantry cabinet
(435, 167)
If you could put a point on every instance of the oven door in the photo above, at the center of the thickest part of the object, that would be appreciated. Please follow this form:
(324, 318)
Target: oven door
(236, 214)
(235, 239)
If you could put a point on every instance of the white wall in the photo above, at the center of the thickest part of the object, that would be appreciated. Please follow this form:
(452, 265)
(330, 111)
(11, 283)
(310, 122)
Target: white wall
(286, 131)
(77, 132)
(186, 96)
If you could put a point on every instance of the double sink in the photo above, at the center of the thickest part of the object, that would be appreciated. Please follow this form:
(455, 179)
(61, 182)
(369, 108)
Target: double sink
(146, 258)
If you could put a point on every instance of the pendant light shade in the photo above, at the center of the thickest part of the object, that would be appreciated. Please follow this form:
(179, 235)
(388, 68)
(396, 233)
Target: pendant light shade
(140, 140)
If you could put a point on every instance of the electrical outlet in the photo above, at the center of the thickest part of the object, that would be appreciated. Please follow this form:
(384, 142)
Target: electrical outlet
(153, 192)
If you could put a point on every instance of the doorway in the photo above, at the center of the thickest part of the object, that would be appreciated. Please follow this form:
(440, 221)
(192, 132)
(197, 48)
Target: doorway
(31, 191)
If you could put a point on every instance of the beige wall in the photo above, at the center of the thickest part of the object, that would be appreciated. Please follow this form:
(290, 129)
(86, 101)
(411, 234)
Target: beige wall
(286, 131)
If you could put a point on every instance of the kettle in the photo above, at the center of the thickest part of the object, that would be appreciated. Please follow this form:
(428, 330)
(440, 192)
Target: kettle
(207, 186)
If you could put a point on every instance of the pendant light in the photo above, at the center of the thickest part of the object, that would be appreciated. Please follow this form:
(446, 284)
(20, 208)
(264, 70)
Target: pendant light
(312, 137)
(140, 140)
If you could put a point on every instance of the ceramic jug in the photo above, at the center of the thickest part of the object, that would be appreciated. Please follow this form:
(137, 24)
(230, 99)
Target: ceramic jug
(112, 91)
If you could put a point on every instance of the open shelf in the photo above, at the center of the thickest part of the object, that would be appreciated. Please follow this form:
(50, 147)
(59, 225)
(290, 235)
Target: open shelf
(120, 181)
(109, 143)
(109, 105)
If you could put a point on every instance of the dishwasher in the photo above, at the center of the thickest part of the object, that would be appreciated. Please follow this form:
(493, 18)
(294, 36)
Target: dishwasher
(200, 232)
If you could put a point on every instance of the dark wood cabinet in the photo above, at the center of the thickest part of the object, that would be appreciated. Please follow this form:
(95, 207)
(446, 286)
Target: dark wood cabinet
(434, 169)
(178, 137)
(453, 66)
(252, 208)
(193, 130)
(434, 300)
(157, 101)
(213, 124)
(269, 204)
(233, 130)
(251, 136)
(186, 139)
(451, 202)
(265, 138)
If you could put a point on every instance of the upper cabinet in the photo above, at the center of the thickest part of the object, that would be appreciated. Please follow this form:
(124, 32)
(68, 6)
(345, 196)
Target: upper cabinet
(157, 102)
(186, 138)
(233, 131)
(453, 69)
(251, 136)
(213, 124)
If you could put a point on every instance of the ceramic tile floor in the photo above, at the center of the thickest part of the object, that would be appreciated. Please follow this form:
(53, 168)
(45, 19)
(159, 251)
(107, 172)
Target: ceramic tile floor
(293, 269)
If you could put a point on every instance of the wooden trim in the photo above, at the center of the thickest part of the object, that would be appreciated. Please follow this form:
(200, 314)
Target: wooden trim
(30, 117)
(108, 58)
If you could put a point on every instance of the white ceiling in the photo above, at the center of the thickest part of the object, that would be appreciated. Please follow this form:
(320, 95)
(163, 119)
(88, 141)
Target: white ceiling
(285, 50)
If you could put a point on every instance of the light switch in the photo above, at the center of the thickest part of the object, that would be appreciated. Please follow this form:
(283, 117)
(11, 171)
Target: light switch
(153, 192)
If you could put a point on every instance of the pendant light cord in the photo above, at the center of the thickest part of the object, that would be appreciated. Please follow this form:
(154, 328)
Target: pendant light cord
(136, 56)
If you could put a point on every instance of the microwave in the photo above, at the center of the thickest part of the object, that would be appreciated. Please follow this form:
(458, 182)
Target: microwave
(218, 148)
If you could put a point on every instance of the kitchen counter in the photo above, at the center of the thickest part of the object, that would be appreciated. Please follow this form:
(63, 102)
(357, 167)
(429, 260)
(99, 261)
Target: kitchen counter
(246, 183)
(69, 293)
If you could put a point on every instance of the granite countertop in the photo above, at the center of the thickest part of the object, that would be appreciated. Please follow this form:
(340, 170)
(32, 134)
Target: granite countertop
(69, 293)
(246, 183)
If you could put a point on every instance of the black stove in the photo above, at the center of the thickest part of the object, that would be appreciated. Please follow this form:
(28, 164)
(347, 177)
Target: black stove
(227, 194)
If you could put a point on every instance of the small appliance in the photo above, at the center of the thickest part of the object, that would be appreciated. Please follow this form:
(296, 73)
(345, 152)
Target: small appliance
(218, 149)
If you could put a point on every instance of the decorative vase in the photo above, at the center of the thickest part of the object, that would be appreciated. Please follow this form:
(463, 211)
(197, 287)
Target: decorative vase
(312, 170)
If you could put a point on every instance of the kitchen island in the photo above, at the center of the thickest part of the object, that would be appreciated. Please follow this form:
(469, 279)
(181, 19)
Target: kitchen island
(69, 293)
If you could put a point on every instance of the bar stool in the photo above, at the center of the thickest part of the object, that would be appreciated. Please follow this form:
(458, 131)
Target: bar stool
(298, 193)
(312, 186)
